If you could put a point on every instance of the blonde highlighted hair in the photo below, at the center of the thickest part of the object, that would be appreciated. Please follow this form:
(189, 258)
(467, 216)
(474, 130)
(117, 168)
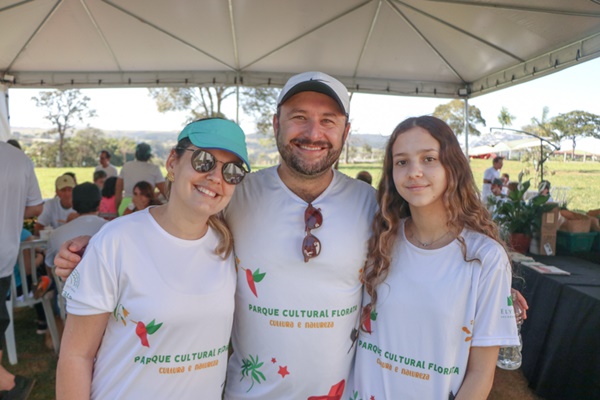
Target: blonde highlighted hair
(461, 200)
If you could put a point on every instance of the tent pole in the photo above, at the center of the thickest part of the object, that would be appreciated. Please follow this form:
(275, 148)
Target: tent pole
(467, 127)
(4, 115)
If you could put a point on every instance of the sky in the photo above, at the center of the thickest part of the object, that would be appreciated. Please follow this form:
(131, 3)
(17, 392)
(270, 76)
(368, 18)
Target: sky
(575, 88)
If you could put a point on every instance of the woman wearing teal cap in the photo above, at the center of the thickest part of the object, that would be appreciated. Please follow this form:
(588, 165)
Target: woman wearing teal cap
(151, 303)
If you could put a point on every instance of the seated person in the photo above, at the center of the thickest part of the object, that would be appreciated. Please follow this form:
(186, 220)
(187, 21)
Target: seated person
(544, 190)
(143, 196)
(364, 176)
(108, 206)
(505, 180)
(58, 209)
(99, 178)
(496, 195)
(86, 199)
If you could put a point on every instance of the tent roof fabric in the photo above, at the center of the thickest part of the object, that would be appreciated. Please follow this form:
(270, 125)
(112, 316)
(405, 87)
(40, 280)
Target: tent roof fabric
(433, 48)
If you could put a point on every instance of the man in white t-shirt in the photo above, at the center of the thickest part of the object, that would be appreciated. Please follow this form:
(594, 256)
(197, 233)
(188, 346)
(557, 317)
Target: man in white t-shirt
(58, 210)
(300, 231)
(20, 197)
(86, 200)
(105, 164)
(489, 175)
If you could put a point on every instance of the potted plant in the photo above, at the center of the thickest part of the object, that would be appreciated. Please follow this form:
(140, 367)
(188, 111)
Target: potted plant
(517, 218)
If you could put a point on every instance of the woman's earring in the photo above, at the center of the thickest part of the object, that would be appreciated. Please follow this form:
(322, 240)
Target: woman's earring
(170, 176)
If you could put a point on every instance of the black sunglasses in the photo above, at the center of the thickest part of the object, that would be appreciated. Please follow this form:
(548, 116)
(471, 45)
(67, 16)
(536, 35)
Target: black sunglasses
(203, 161)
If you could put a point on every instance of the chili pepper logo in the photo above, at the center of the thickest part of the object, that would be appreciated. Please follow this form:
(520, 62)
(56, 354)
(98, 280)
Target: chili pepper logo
(335, 393)
(143, 330)
(252, 277)
(367, 321)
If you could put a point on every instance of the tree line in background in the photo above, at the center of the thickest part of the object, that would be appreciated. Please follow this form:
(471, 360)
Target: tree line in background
(65, 108)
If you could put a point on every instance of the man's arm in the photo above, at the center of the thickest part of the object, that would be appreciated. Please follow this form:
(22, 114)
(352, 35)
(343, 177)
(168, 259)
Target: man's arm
(33, 211)
(119, 192)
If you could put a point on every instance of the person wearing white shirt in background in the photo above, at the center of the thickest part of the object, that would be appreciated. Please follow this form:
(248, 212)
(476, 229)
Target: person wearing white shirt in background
(105, 164)
(58, 210)
(140, 169)
(86, 199)
(489, 175)
(20, 198)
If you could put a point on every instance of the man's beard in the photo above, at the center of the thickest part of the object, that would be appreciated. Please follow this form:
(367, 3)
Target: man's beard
(303, 167)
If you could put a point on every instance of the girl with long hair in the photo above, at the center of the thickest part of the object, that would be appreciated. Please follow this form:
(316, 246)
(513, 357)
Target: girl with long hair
(437, 301)
(151, 303)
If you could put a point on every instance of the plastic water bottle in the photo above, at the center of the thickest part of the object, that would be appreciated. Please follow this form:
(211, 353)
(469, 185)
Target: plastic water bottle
(509, 357)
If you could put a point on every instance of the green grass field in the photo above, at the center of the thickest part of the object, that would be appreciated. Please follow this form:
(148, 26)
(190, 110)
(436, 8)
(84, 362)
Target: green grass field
(580, 180)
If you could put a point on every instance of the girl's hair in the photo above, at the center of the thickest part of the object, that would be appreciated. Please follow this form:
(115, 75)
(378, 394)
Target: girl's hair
(461, 200)
(109, 188)
(217, 221)
(147, 190)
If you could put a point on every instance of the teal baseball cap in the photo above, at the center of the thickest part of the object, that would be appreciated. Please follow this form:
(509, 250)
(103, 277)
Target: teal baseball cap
(217, 133)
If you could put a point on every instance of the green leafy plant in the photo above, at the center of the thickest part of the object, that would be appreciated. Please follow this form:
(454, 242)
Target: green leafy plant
(516, 215)
(250, 368)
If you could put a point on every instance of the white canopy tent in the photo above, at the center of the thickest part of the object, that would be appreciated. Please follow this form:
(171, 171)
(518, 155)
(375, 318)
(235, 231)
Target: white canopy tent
(432, 48)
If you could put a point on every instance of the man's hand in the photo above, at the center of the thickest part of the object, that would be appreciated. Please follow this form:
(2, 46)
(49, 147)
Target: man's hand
(69, 255)
(521, 301)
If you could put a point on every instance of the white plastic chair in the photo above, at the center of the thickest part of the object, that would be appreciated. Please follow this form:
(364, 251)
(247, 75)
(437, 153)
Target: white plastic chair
(27, 300)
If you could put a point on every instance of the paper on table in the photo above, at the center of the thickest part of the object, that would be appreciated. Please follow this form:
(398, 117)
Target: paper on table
(518, 257)
(545, 269)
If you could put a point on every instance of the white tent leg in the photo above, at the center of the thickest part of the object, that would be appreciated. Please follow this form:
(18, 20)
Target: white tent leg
(4, 125)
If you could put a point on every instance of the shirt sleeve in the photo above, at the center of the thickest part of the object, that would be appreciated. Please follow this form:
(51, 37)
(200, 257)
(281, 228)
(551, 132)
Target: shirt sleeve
(34, 195)
(45, 217)
(92, 288)
(494, 323)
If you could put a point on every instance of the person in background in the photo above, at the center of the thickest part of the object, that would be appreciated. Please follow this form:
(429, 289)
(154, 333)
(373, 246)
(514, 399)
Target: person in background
(99, 178)
(108, 208)
(489, 175)
(544, 190)
(58, 209)
(437, 276)
(505, 180)
(86, 199)
(15, 143)
(149, 285)
(20, 198)
(143, 197)
(135, 171)
(72, 175)
(365, 176)
(105, 164)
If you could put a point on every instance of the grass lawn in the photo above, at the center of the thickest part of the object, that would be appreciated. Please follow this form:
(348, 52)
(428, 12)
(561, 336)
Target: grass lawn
(580, 180)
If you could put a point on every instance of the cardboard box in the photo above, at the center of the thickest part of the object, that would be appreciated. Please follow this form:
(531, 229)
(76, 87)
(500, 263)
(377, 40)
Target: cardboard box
(550, 219)
(545, 245)
(574, 222)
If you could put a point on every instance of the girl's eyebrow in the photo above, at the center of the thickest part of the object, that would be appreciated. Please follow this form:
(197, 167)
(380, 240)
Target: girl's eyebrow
(418, 152)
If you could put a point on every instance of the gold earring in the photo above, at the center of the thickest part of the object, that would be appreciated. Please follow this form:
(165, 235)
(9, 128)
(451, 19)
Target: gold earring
(170, 176)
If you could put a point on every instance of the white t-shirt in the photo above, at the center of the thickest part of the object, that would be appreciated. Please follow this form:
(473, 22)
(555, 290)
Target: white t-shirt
(82, 225)
(171, 303)
(489, 174)
(18, 189)
(293, 325)
(136, 171)
(54, 214)
(110, 170)
(431, 309)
